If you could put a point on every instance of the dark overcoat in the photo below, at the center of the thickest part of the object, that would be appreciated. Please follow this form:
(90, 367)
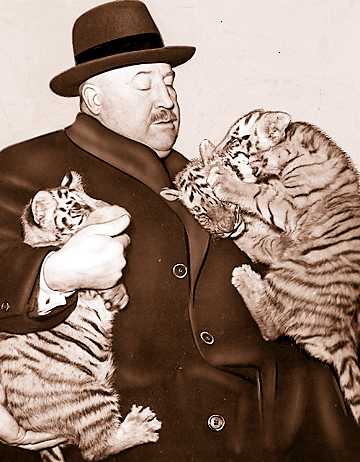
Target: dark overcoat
(185, 345)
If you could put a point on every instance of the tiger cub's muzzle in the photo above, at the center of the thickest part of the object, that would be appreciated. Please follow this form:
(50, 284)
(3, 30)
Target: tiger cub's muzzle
(225, 221)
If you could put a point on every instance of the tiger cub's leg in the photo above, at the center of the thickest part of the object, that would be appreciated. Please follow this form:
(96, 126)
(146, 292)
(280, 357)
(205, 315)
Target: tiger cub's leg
(271, 202)
(252, 289)
(261, 242)
(90, 419)
(140, 426)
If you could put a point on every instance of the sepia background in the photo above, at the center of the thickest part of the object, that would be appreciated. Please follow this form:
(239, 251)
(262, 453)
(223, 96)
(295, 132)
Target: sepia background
(297, 56)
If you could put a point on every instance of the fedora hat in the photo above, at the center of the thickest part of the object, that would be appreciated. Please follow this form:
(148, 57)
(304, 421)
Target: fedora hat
(116, 34)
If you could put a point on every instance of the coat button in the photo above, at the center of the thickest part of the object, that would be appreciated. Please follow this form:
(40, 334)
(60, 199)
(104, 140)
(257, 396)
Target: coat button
(207, 338)
(5, 306)
(216, 422)
(179, 270)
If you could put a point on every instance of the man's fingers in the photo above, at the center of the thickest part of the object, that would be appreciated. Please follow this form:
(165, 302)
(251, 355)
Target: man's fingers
(11, 433)
(34, 441)
(43, 445)
(124, 240)
(109, 228)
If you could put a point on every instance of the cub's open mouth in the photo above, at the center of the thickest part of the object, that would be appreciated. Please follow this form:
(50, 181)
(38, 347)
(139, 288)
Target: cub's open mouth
(237, 231)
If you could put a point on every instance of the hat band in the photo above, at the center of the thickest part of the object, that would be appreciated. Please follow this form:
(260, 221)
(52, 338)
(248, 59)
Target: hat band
(137, 42)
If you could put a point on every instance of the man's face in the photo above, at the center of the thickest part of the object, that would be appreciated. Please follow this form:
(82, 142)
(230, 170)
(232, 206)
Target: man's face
(140, 102)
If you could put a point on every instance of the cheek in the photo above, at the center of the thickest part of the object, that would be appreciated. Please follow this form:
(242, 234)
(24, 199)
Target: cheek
(136, 120)
(131, 111)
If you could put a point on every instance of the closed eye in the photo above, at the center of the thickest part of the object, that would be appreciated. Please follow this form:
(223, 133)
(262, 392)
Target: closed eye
(76, 208)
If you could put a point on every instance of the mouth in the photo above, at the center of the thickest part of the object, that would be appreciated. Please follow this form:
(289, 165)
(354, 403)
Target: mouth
(169, 121)
(239, 228)
(163, 117)
(237, 232)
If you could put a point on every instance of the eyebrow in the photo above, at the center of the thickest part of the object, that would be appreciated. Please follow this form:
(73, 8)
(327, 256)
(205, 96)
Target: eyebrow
(169, 73)
(140, 73)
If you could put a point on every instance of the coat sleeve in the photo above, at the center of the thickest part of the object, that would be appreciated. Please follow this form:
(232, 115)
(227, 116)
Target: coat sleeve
(20, 263)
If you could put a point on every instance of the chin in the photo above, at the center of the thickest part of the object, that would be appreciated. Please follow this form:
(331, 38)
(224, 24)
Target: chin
(165, 144)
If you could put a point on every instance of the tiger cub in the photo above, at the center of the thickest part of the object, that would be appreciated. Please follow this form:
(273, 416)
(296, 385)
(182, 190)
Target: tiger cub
(60, 381)
(225, 219)
(307, 188)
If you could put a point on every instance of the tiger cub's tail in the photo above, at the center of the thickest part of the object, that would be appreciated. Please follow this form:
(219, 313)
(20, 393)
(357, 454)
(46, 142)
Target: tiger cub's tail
(345, 362)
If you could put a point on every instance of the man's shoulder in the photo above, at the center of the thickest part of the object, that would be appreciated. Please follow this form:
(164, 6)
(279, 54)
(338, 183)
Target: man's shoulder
(34, 144)
(40, 150)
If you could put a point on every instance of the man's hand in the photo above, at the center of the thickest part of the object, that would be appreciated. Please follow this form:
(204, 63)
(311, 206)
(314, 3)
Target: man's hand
(11, 433)
(91, 259)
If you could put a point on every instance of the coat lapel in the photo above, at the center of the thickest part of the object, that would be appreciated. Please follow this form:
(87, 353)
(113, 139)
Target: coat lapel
(198, 238)
(142, 163)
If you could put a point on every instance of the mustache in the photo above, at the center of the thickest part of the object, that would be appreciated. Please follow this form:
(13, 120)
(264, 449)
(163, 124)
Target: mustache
(163, 115)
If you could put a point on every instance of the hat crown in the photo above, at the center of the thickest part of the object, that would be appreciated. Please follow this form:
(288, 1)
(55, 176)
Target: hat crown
(113, 35)
(110, 22)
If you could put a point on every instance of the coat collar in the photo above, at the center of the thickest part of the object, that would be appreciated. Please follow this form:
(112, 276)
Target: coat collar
(131, 157)
(142, 163)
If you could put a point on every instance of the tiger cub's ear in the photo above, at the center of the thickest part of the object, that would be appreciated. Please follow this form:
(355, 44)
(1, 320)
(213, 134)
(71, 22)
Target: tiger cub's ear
(271, 128)
(207, 151)
(72, 180)
(43, 206)
(170, 195)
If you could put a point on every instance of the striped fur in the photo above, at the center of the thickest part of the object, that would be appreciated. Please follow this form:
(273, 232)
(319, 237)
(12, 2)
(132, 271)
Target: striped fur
(225, 219)
(221, 219)
(60, 381)
(308, 190)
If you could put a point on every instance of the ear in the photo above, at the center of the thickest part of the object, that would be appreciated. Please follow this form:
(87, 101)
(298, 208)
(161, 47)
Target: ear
(42, 207)
(272, 126)
(207, 150)
(72, 180)
(92, 97)
(170, 195)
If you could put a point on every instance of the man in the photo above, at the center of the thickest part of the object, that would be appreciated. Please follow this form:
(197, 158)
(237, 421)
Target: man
(185, 344)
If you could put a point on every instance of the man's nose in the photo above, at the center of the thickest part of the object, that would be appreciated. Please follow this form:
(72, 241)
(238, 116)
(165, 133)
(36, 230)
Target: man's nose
(163, 97)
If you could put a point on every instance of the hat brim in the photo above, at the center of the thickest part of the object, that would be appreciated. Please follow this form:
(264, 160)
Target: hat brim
(67, 83)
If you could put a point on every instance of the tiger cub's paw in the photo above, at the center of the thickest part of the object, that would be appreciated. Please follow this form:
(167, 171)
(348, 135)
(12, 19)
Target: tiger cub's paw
(142, 424)
(115, 298)
(225, 184)
(247, 282)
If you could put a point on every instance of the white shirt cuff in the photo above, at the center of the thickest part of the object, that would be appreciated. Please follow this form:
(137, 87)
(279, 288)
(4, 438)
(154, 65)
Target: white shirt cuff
(49, 299)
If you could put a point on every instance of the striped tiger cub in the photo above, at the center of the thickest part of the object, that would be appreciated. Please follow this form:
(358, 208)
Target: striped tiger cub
(307, 192)
(60, 381)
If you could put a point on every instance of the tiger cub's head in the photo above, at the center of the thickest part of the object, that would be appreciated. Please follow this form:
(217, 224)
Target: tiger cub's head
(221, 219)
(54, 215)
(254, 133)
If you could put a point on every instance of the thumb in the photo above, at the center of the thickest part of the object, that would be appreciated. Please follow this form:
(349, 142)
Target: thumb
(124, 240)
(109, 228)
